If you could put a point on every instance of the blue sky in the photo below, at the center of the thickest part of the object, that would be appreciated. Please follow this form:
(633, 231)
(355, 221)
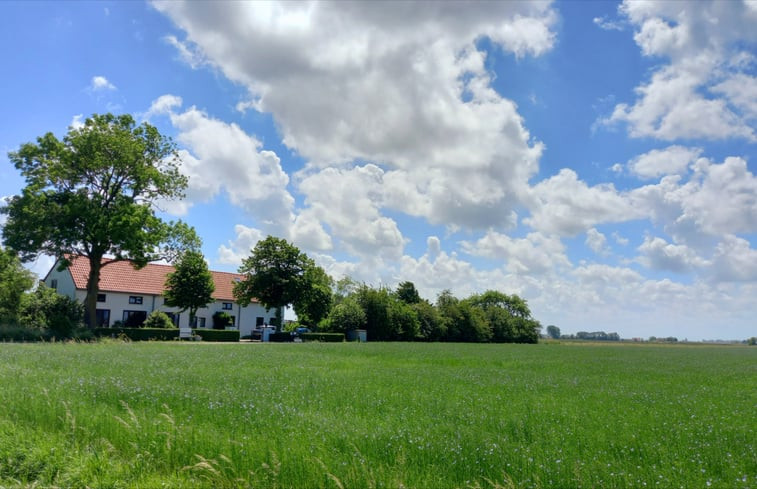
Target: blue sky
(596, 158)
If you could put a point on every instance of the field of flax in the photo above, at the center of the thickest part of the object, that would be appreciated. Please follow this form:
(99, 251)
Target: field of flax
(377, 415)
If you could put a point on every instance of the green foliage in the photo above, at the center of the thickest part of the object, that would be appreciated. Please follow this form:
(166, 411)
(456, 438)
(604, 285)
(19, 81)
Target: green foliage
(191, 285)
(315, 300)
(139, 334)
(217, 335)
(403, 321)
(221, 320)
(375, 304)
(323, 337)
(429, 321)
(14, 281)
(93, 193)
(553, 332)
(46, 309)
(158, 320)
(278, 274)
(346, 316)
(407, 293)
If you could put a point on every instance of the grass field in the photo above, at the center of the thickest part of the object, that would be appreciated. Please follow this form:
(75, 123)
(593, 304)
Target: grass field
(377, 415)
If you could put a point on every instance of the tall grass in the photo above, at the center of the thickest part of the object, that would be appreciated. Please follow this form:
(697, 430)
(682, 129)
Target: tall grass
(377, 415)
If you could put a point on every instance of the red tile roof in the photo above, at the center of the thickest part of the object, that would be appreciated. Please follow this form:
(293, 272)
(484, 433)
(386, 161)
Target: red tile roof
(121, 276)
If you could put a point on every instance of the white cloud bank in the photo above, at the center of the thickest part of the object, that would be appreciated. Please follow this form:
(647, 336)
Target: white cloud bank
(393, 109)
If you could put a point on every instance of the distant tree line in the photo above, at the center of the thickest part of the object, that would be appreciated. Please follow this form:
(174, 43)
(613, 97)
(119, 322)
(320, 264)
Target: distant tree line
(403, 315)
(593, 336)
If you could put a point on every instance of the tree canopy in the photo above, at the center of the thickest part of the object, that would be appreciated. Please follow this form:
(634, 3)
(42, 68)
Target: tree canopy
(94, 193)
(191, 285)
(278, 274)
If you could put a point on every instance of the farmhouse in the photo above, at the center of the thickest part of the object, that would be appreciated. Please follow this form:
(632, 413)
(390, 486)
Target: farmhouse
(129, 295)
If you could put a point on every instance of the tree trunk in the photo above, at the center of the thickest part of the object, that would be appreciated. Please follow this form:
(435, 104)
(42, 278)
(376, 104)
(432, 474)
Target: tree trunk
(93, 288)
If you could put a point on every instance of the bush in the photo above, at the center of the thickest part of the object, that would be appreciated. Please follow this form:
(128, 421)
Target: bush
(217, 334)
(282, 337)
(221, 320)
(140, 334)
(324, 337)
(46, 309)
(159, 320)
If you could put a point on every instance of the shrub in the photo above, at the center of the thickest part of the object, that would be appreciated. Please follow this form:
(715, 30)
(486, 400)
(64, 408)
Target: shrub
(324, 337)
(159, 320)
(217, 334)
(140, 334)
(46, 309)
(221, 320)
(282, 337)
(346, 316)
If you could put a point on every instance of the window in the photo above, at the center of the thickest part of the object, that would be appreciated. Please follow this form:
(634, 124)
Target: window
(135, 299)
(54, 284)
(198, 322)
(134, 319)
(174, 318)
(100, 297)
(259, 321)
(226, 306)
(102, 318)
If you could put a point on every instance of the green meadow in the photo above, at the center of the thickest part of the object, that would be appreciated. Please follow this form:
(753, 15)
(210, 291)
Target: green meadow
(174, 415)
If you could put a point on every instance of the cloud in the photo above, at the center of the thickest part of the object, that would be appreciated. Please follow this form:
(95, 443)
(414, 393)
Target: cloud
(348, 201)
(536, 254)
(239, 249)
(567, 206)
(703, 42)
(77, 122)
(734, 260)
(596, 241)
(402, 86)
(218, 156)
(609, 24)
(101, 84)
(658, 254)
(165, 104)
(715, 199)
(672, 160)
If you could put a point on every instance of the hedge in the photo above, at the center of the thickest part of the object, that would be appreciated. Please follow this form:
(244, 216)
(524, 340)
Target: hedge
(140, 334)
(217, 334)
(282, 337)
(324, 337)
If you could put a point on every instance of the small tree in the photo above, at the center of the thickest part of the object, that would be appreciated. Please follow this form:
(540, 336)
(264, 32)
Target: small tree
(407, 293)
(553, 332)
(278, 274)
(191, 285)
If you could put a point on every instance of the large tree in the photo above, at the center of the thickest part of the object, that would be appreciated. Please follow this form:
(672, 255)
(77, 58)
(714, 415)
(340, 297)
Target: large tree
(94, 194)
(191, 285)
(278, 274)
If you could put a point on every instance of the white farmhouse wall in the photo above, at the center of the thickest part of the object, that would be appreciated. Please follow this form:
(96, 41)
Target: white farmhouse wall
(64, 284)
(245, 318)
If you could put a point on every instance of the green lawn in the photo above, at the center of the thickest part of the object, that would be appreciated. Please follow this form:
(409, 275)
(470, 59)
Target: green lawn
(377, 415)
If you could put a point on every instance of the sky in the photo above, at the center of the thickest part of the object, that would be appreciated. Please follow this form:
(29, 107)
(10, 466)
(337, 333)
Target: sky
(596, 158)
